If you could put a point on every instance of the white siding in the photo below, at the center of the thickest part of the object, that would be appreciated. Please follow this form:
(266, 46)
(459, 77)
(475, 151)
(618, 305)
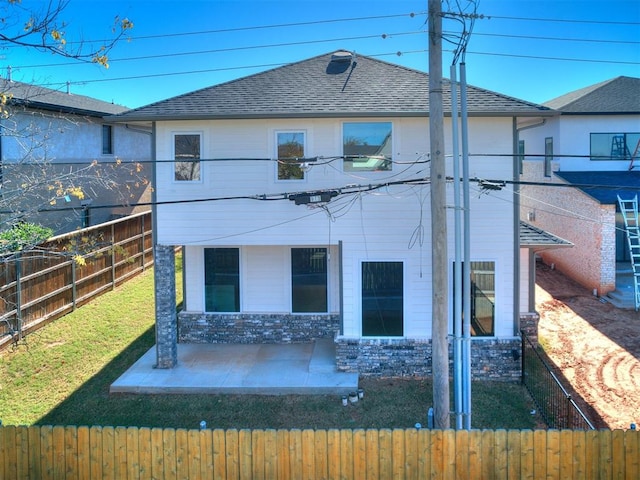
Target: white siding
(387, 224)
(572, 137)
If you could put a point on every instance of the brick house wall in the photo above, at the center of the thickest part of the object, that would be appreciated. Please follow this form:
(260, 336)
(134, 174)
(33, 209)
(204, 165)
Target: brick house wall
(571, 214)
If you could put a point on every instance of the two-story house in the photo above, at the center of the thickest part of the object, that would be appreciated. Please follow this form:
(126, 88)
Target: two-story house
(54, 144)
(580, 162)
(301, 197)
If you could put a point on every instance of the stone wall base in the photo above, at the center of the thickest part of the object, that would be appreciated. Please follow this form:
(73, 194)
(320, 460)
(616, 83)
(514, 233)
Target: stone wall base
(491, 359)
(247, 328)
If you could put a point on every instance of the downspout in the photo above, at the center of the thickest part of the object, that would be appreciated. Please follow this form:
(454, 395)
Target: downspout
(341, 287)
(154, 212)
(516, 229)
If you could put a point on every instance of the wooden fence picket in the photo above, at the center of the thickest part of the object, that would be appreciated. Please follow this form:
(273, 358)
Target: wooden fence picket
(53, 452)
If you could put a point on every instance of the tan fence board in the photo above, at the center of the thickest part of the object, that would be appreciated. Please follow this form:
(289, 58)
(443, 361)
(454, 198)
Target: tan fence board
(462, 455)
(308, 454)
(514, 454)
(157, 453)
(632, 455)
(360, 457)
(333, 449)
(232, 452)
(604, 465)
(59, 466)
(145, 460)
(22, 450)
(120, 452)
(43, 452)
(219, 454)
(270, 454)
(321, 454)
(182, 453)
(385, 452)
(245, 454)
(295, 453)
(475, 454)
(194, 455)
(206, 453)
(346, 454)
(108, 453)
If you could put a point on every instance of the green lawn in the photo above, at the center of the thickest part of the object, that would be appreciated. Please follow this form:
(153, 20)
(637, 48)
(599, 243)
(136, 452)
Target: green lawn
(61, 374)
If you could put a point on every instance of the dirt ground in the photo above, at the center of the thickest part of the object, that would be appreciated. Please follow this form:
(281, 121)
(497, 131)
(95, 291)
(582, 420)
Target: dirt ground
(595, 345)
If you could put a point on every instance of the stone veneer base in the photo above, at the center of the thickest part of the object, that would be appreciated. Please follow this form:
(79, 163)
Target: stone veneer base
(491, 358)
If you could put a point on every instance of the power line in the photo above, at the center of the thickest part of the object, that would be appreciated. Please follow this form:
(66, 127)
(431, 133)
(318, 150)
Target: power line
(484, 183)
(562, 20)
(234, 49)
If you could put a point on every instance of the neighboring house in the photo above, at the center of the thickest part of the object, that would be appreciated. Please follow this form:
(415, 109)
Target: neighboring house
(589, 155)
(48, 142)
(301, 198)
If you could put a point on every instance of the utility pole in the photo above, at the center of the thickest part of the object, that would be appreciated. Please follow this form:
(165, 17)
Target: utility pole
(439, 295)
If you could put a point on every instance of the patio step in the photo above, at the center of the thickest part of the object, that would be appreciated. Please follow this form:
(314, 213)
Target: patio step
(622, 297)
(323, 358)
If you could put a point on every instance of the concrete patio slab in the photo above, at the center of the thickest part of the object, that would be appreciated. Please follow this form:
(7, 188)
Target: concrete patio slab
(301, 369)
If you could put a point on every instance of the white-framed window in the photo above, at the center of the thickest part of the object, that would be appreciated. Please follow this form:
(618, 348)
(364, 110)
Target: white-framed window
(290, 148)
(382, 299)
(367, 146)
(187, 148)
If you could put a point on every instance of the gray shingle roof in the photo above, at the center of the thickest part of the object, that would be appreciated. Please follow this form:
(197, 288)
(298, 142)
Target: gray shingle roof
(618, 95)
(47, 99)
(538, 239)
(318, 87)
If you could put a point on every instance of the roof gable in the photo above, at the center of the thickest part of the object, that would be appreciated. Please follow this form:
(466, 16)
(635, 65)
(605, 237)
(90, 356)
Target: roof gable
(329, 85)
(617, 95)
(42, 98)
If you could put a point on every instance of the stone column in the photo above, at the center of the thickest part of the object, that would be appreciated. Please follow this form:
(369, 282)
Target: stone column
(164, 271)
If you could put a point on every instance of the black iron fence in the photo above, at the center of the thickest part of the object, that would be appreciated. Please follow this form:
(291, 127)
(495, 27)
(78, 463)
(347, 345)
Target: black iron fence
(553, 401)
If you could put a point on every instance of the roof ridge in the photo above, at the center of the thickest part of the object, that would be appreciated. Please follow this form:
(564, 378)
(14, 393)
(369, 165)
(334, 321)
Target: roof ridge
(576, 95)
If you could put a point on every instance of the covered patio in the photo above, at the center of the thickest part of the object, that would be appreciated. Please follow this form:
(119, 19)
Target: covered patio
(258, 369)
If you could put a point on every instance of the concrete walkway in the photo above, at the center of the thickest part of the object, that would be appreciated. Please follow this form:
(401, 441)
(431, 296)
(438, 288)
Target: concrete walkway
(303, 369)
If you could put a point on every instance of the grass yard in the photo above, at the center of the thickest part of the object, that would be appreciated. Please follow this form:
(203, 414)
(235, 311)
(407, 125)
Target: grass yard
(61, 375)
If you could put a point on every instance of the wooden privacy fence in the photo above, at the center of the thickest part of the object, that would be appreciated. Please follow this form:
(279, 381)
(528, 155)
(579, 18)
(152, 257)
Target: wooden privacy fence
(45, 452)
(46, 283)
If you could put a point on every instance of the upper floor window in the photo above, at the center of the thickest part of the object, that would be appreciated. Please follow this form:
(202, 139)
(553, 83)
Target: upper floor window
(186, 148)
(614, 146)
(548, 155)
(520, 156)
(107, 140)
(366, 146)
(290, 149)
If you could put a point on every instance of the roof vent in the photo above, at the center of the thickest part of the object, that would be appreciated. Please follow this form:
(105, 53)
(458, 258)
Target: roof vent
(342, 57)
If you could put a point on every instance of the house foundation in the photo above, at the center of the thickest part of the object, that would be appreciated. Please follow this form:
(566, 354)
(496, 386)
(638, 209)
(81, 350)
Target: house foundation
(246, 328)
(491, 358)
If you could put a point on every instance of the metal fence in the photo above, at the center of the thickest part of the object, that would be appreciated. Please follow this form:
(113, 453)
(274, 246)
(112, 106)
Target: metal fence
(553, 401)
(45, 283)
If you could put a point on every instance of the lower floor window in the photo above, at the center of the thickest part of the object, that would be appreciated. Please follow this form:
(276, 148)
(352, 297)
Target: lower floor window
(222, 279)
(382, 299)
(483, 297)
(308, 280)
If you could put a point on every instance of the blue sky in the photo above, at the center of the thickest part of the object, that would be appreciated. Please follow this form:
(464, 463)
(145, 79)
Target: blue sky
(535, 50)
